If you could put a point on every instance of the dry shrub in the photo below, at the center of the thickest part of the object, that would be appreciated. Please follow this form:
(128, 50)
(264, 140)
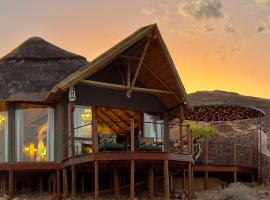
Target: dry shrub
(236, 191)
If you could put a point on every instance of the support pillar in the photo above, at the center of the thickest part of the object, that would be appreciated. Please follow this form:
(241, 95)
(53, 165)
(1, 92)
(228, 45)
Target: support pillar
(184, 184)
(96, 180)
(151, 183)
(132, 180)
(11, 183)
(116, 184)
(166, 179)
(65, 183)
(234, 176)
(190, 178)
(73, 181)
(58, 184)
(206, 180)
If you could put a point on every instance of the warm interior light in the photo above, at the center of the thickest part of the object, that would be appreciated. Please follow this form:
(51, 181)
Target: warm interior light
(29, 150)
(38, 153)
(87, 115)
(2, 120)
(104, 129)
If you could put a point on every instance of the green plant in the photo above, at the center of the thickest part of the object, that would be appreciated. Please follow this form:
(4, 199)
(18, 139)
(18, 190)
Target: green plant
(201, 131)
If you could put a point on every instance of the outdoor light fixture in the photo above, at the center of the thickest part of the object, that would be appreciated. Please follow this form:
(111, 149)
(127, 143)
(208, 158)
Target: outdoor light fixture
(72, 94)
(86, 115)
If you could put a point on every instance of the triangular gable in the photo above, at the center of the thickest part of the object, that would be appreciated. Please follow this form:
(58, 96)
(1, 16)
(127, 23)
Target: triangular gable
(116, 51)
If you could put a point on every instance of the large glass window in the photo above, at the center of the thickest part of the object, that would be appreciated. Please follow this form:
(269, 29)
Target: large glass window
(34, 133)
(83, 129)
(3, 132)
(153, 126)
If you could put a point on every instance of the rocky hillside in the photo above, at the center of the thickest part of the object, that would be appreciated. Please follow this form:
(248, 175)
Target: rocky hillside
(222, 97)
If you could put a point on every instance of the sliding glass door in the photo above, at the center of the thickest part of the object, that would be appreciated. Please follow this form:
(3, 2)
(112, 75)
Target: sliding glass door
(34, 133)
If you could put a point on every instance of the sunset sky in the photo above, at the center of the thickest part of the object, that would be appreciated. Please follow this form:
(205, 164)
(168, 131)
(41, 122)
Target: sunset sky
(215, 44)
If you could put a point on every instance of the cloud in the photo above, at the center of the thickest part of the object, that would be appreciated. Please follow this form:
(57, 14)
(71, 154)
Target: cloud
(229, 29)
(201, 9)
(235, 50)
(263, 3)
(148, 12)
(165, 8)
(260, 28)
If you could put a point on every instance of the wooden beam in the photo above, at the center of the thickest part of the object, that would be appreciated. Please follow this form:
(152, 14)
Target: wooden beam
(132, 180)
(11, 183)
(116, 184)
(96, 186)
(73, 181)
(71, 126)
(166, 179)
(128, 74)
(58, 184)
(151, 191)
(111, 120)
(65, 183)
(148, 68)
(190, 178)
(139, 67)
(124, 87)
(132, 137)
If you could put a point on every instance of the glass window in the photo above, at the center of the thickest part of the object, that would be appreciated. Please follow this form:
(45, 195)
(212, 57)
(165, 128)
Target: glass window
(83, 129)
(153, 126)
(3, 132)
(34, 133)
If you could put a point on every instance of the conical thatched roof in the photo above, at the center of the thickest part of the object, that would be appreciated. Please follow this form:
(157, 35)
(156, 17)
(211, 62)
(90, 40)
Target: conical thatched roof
(29, 72)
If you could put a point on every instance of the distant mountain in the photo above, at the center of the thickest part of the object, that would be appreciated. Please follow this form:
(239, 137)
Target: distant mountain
(223, 97)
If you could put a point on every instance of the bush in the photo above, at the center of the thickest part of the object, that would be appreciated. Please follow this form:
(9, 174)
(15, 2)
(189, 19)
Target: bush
(236, 191)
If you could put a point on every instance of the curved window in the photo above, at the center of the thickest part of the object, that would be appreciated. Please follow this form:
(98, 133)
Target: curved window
(3, 132)
(34, 133)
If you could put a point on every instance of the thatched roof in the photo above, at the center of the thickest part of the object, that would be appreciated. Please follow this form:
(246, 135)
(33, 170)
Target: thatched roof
(223, 112)
(29, 72)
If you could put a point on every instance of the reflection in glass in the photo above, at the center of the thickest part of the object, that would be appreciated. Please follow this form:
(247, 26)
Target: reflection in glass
(153, 126)
(34, 132)
(83, 129)
(3, 132)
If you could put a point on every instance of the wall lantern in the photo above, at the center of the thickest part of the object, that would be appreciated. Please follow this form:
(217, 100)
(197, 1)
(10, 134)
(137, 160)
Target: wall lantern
(72, 94)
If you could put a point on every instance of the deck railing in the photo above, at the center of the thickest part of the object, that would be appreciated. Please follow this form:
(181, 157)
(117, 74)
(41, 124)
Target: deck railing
(228, 153)
(130, 136)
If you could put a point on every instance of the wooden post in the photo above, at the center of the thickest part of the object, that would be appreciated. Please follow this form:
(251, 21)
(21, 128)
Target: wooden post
(82, 183)
(190, 178)
(234, 162)
(184, 179)
(132, 135)
(65, 182)
(40, 184)
(151, 183)
(95, 130)
(58, 185)
(73, 181)
(166, 179)
(54, 182)
(11, 183)
(166, 129)
(132, 180)
(96, 180)
(190, 140)
(116, 184)
(181, 120)
(206, 164)
(71, 126)
(4, 183)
